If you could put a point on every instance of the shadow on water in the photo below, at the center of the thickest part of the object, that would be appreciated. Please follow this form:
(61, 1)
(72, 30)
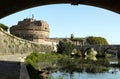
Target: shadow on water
(9, 70)
(36, 74)
(70, 66)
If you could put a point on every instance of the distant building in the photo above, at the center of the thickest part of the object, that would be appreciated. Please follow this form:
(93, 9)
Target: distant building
(31, 29)
(38, 31)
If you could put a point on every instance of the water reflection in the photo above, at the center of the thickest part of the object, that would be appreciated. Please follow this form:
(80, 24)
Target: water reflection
(71, 68)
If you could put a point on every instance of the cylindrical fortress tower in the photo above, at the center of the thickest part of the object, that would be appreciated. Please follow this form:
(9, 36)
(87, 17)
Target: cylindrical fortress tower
(31, 29)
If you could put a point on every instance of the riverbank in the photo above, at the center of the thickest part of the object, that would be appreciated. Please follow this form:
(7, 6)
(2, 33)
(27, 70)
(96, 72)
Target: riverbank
(42, 66)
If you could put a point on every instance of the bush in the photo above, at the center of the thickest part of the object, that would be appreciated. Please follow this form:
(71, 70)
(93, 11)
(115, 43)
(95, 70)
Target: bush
(77, 39)
(4, 26)
(65, 47)
(96, 41)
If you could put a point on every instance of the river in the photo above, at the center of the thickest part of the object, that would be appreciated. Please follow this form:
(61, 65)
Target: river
(75, 68)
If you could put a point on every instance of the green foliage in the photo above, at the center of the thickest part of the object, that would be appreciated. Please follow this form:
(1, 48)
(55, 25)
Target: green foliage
(79, 53)
(78, 65)
(108, 55)
(77, 39)
(34, 57)
(96, 41)
(65, 47)
(4, 26)
(65, 64)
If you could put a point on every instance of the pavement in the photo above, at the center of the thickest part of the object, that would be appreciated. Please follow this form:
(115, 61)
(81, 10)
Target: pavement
(13, 67)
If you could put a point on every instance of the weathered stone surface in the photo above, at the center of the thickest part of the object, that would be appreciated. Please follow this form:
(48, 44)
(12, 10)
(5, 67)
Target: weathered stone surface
(9, 70)
(10, 44)
(31, 29)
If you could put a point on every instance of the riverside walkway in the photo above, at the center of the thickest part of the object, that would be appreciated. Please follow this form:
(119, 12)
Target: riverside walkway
(13, 67)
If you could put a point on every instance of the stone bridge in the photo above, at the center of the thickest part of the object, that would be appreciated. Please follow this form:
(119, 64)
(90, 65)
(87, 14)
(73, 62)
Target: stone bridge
(114, 49)
(8, 7)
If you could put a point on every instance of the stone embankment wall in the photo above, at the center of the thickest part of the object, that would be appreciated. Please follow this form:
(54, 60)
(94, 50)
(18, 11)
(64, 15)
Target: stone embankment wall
(10, 44)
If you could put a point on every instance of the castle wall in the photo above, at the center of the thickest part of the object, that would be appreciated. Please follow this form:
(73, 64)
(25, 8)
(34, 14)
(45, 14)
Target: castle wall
(33, 33)
(31, 29)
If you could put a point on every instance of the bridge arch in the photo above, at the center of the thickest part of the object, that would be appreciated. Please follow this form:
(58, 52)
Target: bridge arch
(8, 7)
(111, 50)
(106, 50)
(86, 50)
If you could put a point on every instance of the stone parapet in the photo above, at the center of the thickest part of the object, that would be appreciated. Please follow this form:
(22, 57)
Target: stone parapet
(10, 44)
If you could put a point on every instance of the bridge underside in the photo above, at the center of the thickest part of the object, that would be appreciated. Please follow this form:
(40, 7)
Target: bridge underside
(8, 7)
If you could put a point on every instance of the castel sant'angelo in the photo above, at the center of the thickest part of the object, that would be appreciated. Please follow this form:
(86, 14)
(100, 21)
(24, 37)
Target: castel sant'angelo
(33, 30)
(36, 31)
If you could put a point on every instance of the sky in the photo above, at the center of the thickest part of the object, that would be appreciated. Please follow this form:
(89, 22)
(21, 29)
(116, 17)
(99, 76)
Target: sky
(66, 19)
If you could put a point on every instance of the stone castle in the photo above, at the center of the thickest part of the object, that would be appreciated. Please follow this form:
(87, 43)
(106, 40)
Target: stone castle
(36, 31)
(31, 29)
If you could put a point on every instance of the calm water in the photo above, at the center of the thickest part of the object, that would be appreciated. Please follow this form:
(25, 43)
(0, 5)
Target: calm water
(111, 74)
(83, 69)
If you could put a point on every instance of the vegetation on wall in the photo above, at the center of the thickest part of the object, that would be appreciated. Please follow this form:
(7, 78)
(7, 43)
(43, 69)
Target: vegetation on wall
(4, 26)
(96, 40)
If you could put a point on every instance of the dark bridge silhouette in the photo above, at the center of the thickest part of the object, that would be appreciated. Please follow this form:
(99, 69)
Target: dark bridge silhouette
(8, 7)
(113, 49)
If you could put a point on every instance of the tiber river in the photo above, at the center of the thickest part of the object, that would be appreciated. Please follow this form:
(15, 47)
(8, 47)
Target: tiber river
(111, 74)
(80, 69)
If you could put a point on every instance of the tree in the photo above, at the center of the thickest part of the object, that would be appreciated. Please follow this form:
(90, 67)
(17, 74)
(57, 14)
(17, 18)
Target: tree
(96, 40)
(4, 26)
(65, 47)
(77, 39)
